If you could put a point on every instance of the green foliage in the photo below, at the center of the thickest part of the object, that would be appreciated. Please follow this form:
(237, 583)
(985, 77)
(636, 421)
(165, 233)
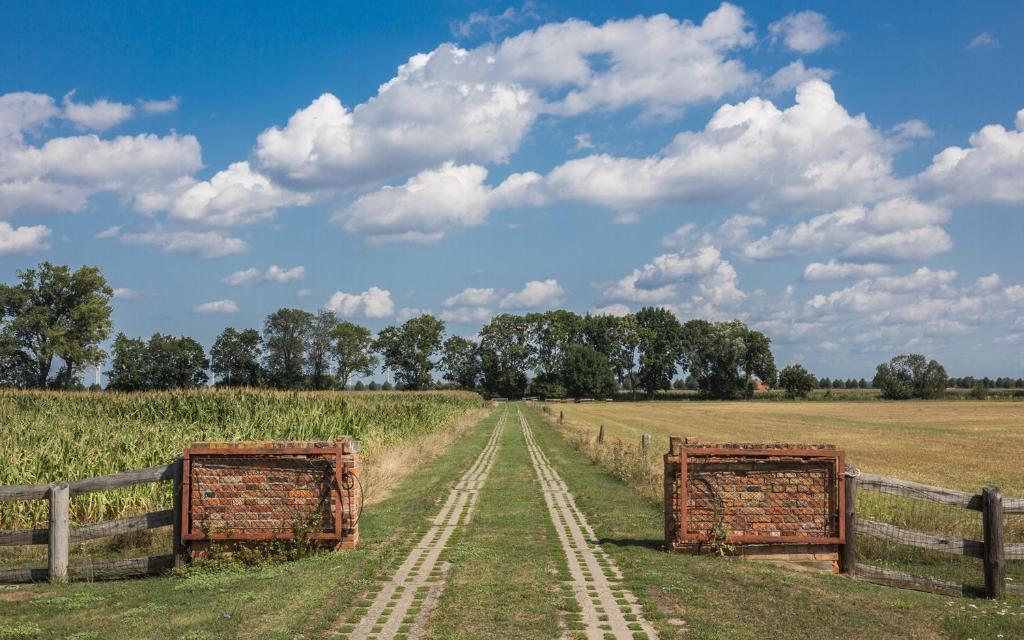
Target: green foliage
(351, 348)
(505, 356)
(910, 376)
(319, 346)
(165, 362)
(797, 381)
(53, 314)
(235, 358)
(284, 341)
(408, 350)
(461, 362)
(359, 386)
(979, 393)
(658, 334)
(586, 373)
(619, 339)
(723, 357)
(386, 386)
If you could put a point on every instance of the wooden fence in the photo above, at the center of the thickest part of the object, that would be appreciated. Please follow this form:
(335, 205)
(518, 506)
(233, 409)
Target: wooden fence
(60, 534)
(992, 550)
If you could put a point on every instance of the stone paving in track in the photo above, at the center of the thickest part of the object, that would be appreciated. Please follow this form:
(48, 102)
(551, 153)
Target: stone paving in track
(608, 611)
(399, 610)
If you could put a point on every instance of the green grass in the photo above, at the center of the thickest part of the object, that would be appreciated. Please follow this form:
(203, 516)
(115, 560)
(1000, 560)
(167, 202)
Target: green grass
(703, 598)
(505, 572)
(272, 601)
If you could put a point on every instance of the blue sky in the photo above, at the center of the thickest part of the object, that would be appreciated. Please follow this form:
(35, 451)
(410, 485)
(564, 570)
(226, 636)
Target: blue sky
(848, 177)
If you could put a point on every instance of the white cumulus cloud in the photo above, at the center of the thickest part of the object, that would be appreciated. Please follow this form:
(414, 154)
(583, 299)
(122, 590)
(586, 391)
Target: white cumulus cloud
(804, 32)
(536, 294)
(834, 270)
(23, 239)
(216, 306)
(372, 303)
(101, 114)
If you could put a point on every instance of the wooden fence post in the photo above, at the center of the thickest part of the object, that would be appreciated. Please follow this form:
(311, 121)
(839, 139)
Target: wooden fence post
(177, 548)
(645, 441)
(561, 416)
(600, 435)
(848, 552)
(995, 560)
(60, 498)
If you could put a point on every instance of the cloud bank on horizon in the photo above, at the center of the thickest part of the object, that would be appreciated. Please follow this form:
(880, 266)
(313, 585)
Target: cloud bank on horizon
(438, 153)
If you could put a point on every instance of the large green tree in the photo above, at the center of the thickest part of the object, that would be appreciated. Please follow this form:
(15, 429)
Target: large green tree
(797, 381)
(619, 339)
(506, 356)
(235, 358)
(460, 362)
(284, 346)
(164, 362)
(175, 362)
(659, 348)
(552, 332)
(129, 364)
(53, 315)
(319, 343)
(723, 357)
(408, 350)
(351, 349)
(586, 372)
(910, 376)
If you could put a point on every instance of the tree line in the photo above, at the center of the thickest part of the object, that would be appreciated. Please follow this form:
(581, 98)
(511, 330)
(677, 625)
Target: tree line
(53, 322)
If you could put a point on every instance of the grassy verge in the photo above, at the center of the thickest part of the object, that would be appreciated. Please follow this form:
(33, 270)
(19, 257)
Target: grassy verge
(504, 578)
(703, 598)
(297, 599)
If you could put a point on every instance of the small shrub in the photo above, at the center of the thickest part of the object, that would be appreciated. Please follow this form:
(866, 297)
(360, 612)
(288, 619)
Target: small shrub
(979, 393)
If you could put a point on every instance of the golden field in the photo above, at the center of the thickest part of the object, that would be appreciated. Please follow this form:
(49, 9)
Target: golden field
(957, 444)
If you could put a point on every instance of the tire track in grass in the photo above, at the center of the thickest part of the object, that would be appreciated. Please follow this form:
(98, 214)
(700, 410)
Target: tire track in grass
(400, 609)
(608, 611)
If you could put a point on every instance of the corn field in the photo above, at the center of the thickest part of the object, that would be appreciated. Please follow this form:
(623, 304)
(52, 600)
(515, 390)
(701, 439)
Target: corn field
(54, 436)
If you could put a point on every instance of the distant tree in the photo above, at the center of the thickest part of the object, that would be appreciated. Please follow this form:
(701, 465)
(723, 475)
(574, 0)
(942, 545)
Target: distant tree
(284, 341)
(386, 386)
(505, 356)
(725, 356)
(824, 383)
(619, 339)
(175, 362)
(235, 358)
(679, 384)
(1019, 383)
(408, 350)
(910, 376)
(797, 381)
(51, 313)
(352, 350)
(461, 362)
(359, 386)
(659, 347)
(838, 384)
(551, 333)
(128, 370)
(862, 383)
(373, 386)
(586, 372)
(691, 383)
(319, 348)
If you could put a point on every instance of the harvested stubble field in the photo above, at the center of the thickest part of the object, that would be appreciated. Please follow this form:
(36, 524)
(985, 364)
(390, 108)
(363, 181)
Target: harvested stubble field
(958, 444)
(48, 436)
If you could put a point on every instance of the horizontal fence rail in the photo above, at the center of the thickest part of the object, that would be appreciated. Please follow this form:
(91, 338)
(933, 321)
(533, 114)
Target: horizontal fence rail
(59, 534)
(993, 551)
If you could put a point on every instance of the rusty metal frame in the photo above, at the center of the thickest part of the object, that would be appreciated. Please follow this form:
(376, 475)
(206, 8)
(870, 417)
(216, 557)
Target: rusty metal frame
(837, 456)
(341, 467)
